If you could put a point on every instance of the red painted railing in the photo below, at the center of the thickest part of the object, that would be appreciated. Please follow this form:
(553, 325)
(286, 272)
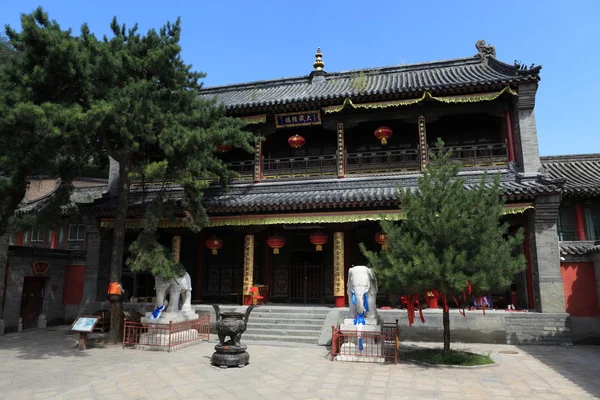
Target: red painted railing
(376, 345)
(171, 336)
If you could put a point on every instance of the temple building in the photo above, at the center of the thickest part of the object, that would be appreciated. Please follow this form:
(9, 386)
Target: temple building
(337, 146)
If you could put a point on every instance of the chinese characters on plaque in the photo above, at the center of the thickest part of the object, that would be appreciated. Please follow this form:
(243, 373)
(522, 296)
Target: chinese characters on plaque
(294, 119)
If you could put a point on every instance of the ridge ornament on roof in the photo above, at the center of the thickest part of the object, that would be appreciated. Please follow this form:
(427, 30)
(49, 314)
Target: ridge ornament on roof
(485, 50)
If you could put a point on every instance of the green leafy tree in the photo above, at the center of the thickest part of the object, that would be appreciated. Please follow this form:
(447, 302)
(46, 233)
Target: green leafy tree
(452, 237)
(146, 113)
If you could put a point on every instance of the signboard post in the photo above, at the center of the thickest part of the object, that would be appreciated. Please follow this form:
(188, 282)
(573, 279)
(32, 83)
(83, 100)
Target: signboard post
(84, 324)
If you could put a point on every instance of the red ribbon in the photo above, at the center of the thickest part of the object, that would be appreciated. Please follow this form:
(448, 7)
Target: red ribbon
(420, 310)
(410, 309)
(458, 306)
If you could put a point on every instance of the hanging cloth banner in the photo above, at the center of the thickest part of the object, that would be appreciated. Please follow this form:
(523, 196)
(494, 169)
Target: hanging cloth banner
(463, 98)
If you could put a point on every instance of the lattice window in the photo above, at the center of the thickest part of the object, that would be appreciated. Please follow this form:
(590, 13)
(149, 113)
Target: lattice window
(566, 223)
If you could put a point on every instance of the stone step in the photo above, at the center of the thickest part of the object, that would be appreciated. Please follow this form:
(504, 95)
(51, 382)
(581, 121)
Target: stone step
(282, 332)
(284, 325)
(278, 315)
(279, 338)
(293, 310)
(285, 321)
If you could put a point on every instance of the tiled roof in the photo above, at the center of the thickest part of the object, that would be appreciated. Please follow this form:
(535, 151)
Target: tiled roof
(80, 195)
(579, 248)
(462, 74)
(582, 172)
(324, 193)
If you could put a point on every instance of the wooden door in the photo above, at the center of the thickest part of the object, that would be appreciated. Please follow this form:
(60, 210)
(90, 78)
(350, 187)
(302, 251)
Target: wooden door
(32, 300)
(305, 280)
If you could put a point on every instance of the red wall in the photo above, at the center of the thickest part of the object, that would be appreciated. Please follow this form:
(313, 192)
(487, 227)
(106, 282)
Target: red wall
(73, 284)
(581, 293)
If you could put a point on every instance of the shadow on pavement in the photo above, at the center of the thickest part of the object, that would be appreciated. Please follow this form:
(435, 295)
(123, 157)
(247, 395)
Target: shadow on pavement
(578, 364)
(39, 344)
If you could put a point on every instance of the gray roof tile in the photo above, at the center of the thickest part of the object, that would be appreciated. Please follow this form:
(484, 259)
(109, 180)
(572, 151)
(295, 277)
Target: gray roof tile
(579, 248)
(582, 173)
(460, 74)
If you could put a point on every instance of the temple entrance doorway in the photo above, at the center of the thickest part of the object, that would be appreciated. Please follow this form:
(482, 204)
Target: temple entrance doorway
(306, 277)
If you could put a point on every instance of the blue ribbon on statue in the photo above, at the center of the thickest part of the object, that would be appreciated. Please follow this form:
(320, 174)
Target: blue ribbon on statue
(360, 320)
(366, 302)
(353, 297)
(157, 311)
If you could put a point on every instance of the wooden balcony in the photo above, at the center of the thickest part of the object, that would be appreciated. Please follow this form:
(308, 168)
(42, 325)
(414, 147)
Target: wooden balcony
(297, 167)
(481, 155)
(382, 161)
(368, 162)
(245, 169)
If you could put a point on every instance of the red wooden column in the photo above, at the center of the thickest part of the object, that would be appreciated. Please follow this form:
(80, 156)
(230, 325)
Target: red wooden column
(20, 238)
(510, 139)
(197, 289)
(267, 267)
(529, 270)
(579, 222)
(53, 239)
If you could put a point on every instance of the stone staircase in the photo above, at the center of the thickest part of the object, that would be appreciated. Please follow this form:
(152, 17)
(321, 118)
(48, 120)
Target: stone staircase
(295, 324)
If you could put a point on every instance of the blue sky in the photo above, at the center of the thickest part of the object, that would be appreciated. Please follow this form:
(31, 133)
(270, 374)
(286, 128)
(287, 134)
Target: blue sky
(238, 41)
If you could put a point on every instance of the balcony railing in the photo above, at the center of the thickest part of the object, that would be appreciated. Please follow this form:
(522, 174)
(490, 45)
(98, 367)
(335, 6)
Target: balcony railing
(481, 155)
(382, 161)
(244, 168)
(293, 167)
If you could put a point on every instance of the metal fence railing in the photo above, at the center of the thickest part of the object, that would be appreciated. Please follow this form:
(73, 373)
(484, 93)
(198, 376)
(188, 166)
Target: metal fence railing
(376, 346)
(171, 336)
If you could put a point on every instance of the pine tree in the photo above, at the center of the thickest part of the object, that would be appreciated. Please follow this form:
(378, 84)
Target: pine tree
(453, 237)
(43, 77)
(67, 99)
(146, 113)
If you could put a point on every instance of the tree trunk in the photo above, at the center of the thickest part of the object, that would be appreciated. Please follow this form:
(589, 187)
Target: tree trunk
(118, 245)
(446, 322)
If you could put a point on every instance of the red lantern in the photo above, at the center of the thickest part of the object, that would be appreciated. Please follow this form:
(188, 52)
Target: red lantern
(381, 238)
(223, 148)
(383, 133)
(276, 242)
(214, 243)
(296, 141)
(318, 239)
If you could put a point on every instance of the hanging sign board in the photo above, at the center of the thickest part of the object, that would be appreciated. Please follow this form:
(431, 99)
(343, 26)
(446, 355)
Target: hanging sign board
(303, 118)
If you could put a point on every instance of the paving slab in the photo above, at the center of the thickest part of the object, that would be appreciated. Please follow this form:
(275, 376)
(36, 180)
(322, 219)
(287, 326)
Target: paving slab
(45, 364)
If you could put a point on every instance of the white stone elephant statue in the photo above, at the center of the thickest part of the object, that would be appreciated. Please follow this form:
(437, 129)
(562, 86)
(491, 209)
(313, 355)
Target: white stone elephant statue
(362, 284)
(175, 286)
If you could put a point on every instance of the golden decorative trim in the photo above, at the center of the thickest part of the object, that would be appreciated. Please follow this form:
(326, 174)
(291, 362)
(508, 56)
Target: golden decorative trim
(248, 263)
(465, 98)
(176, 248)
(338, 264)
(422, 142)
(318, 65)
(295, 219)
(257, 160)
(340, 153)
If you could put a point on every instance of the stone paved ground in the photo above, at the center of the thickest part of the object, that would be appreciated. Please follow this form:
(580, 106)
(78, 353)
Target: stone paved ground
(43, 364)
